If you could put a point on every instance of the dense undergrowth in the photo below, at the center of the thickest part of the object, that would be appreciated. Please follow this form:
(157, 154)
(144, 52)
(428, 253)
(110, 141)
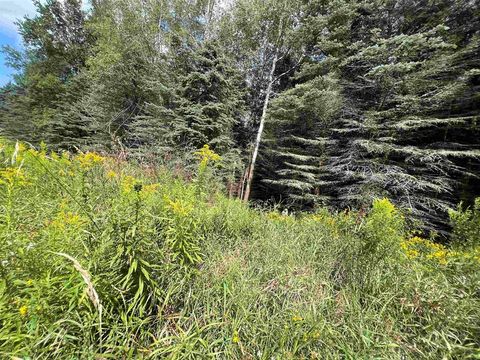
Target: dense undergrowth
(105, 259)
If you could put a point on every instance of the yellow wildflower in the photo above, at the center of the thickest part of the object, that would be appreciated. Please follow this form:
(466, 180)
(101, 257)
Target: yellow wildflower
(439, 255)
(385, 206)
(297, 318)
(67, 218)
(89, 160)
(20, 147)
(128, 183)
(150, 189)
(274, 215)
(426, 249)
(412, 254)
(54, 155)
(235, 337)
(178, 207)
(111, 174)
(33, 152)
(23, 310)
(11, 175)
(205, 154)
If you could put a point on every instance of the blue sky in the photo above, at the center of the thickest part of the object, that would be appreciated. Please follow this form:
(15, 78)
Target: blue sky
(10, 11)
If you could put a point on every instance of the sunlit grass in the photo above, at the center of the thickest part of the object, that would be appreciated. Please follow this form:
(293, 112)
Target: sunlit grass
(103, 259)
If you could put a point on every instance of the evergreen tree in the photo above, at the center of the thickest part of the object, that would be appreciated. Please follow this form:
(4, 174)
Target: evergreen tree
(134, 74)
(408, 129)
(56, 42)
(210, 98)
(297, 126)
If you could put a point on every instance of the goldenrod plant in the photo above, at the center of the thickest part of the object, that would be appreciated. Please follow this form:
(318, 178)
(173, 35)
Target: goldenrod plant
(206, 158)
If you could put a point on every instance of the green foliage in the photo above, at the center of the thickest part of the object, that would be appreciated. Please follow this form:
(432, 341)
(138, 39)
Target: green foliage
(403, 121)
(369, 99)
(210, 101)
(103, 258)
(298, 122)
(378, 251)
(56, 45)
(466, 224)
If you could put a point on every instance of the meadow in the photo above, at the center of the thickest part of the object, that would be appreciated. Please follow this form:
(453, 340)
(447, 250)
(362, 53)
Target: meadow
(103, 258)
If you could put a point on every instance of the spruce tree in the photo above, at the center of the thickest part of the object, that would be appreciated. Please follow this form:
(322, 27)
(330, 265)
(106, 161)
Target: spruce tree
(298, 122)
(210, 100)
(408, 129)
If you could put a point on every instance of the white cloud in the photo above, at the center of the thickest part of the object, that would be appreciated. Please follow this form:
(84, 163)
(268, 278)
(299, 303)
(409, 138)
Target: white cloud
(13, 10)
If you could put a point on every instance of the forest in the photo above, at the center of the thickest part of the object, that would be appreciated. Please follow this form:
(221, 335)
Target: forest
(242, 179)
(310, 103)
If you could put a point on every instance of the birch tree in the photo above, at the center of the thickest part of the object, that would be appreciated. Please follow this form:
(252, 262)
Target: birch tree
(258, 33)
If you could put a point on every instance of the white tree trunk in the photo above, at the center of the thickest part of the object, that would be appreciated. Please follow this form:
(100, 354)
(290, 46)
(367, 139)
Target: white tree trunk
(258, 139)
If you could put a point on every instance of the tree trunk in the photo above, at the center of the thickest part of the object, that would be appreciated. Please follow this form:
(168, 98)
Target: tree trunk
(258, 140)
(241, 184)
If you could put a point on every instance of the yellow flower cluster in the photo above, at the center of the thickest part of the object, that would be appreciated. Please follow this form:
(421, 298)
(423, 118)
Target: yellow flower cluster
(419, 247)
(205, 154)
(64, 158)
(150, 189)
(235, 337)
(416, 247)
(67, 218)
(128, 183)
(23, 310)
(13, 176)
(471, 254)
(111, 174)
(296, 318)
(474, 254)
(411, 254)
(179, 207)
(89, 160)
(385, 207)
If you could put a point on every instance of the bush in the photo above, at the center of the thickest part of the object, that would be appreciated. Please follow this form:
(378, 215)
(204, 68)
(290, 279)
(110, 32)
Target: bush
(466, 225)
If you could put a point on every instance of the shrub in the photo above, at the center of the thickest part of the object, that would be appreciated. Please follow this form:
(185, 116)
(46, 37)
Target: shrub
(466, 225)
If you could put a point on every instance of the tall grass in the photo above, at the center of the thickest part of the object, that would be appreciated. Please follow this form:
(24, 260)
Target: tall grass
(105, 259)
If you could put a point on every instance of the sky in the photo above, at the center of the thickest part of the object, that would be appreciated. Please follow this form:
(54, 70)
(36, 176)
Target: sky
(10, 11)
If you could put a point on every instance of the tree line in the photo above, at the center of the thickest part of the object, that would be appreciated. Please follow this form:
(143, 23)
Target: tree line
(310, 103)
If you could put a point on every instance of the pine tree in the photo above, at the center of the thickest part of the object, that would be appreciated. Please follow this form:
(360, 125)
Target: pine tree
(210, 98)
(297, 126)
(293, 159)
(407, 126)
(408, 129)
(56, 42)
